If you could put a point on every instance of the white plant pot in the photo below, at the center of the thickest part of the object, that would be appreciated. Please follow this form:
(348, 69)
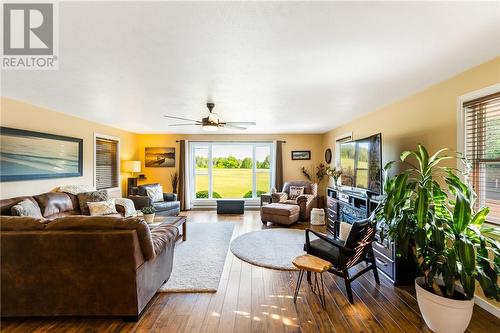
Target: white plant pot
(149, 218)
(441, 314)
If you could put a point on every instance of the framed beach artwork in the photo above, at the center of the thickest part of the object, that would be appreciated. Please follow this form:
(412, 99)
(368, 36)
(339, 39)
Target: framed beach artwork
(26, 155)
(160, 157)
(301, 155)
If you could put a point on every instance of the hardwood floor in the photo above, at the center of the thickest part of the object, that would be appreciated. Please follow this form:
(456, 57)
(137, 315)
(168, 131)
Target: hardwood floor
(255, 299)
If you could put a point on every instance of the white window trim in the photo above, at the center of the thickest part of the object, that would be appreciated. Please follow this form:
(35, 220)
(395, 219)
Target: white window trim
(483, 303)
(114, 138)
(250, 202)
(337, 146)
(461, 115)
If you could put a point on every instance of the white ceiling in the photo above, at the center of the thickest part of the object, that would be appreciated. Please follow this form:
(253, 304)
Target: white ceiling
(290, 67)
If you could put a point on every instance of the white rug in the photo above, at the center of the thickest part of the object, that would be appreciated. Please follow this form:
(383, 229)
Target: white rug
(199, 261)
(270, 248)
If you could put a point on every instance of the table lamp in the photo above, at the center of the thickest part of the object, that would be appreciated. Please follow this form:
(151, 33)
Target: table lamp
(132, 167)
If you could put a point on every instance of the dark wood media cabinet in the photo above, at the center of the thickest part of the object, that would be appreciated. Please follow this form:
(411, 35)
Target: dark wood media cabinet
(348, 206)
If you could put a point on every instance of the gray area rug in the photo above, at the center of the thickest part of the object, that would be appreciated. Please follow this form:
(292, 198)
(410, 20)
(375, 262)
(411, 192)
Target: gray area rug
(270, 248)
(199, 261)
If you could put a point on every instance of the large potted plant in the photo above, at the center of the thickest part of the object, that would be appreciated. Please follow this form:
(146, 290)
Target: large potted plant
(429, 208)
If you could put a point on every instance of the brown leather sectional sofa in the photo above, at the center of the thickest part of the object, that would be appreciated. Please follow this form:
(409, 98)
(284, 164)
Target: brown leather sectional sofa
(76, 265)
(52, 204)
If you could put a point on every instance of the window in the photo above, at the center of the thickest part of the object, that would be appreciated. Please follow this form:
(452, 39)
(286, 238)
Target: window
(231, 169)
(106, 162)
(482, 149)
(338, 140)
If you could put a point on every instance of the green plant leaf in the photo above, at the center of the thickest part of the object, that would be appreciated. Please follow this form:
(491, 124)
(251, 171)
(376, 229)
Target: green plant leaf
(404, 155)
(422, 206)
(469, 284)
(467, 255)
(480, 216)
(437, 237)
(461, 213)
(389, 165)
(424, 159)
(451, 262)
(488, 280)
(436, 154)
(454, 183)
(420, 238)
(400, 186)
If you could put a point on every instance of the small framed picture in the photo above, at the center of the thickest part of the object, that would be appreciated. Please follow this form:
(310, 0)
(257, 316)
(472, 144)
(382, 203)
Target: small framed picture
(301, 155)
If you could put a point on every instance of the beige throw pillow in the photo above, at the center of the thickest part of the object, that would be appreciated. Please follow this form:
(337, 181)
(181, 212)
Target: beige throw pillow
(26, 208)
(94, 196)
(100, 208)
(155, 193)
(296, 191)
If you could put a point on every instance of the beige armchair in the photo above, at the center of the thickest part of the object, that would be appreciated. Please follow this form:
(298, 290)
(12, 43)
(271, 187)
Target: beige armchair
(306, 201)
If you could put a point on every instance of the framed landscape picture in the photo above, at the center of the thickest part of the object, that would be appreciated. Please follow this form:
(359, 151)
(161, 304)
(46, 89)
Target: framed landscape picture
(28, 155)
(301, 155)
(160, 157)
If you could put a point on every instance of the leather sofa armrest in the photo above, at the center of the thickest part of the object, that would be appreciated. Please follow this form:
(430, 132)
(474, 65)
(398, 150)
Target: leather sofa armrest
(279, 197)
(169, 196)
(140, 201)
(163, 236)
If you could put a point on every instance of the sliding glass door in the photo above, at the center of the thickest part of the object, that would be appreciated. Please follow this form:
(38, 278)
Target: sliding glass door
(231, 170)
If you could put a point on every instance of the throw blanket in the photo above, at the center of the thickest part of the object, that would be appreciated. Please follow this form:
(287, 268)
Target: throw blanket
(128, 205)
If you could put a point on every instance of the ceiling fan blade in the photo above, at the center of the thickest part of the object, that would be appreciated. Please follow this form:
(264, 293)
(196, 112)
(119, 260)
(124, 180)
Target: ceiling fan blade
(180, 118)
(232, 126)
(184, 125)
(242, 123)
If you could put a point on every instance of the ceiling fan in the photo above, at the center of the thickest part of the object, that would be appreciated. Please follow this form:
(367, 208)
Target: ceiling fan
(212, 123)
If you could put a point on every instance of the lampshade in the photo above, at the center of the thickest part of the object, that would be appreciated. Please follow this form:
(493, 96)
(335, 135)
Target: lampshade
(132, 166)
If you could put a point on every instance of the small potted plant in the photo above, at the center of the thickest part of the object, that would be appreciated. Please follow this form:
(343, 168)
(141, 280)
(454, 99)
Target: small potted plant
(149, 214)
(429, 209)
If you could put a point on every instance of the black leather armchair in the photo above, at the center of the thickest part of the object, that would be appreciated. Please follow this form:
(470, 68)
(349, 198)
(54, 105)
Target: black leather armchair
(344, 255)
(170, 206)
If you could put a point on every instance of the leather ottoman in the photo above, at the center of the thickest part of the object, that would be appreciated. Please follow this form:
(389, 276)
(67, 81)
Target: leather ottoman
(280, 213)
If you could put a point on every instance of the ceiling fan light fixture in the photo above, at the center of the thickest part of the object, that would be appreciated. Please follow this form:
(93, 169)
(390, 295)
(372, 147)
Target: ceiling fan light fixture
(210, 127)
(211, 122)
(213, 118)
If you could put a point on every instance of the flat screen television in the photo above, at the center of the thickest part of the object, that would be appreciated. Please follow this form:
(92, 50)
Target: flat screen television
(361, 163)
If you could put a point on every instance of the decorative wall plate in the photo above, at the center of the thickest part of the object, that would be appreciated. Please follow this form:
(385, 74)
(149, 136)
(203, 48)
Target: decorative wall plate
(328, 156)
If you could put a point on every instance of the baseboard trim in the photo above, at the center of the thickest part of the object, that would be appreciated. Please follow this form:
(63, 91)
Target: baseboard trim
(481, 302)
(215, 208)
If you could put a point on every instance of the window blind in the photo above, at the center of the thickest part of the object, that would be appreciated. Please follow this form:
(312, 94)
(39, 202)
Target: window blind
(482, 149)
(106, 163)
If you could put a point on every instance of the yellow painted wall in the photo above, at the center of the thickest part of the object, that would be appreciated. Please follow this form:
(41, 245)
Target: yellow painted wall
(428, 117)
(291, 169)
(25, 116)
